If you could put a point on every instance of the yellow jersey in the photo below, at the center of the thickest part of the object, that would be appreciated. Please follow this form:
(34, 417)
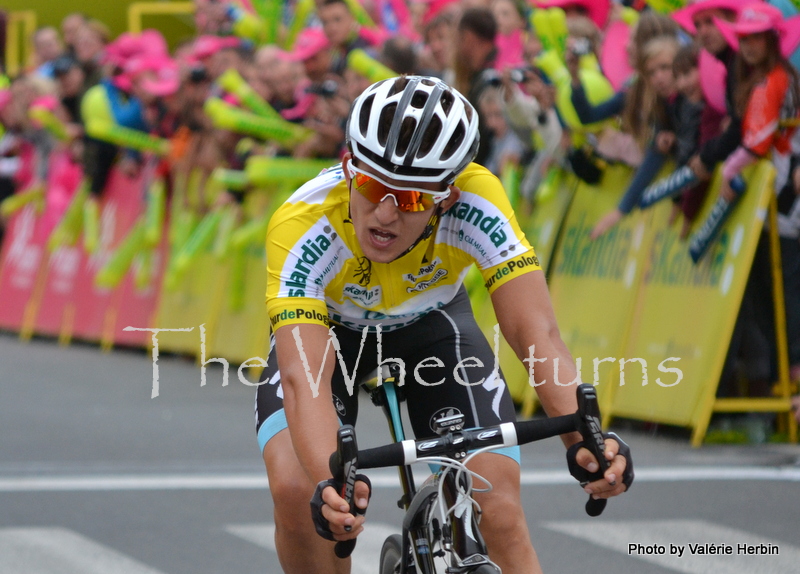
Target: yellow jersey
(317, 272)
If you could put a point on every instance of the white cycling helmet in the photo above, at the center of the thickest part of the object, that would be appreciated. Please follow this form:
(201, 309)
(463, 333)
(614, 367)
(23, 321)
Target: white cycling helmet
(413, 128)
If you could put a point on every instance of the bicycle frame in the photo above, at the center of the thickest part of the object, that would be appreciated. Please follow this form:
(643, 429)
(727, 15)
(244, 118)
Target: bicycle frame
(463, 538)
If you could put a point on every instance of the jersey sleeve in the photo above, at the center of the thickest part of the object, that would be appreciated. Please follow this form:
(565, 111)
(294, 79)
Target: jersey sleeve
(296, 258)
(484, 225)
(761, 119)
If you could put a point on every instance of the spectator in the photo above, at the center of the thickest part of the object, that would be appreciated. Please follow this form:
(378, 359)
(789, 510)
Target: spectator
(532, 112)
(510, 29)
(399, 55)
(90, 46)
(313, 49)
(506, 149)
(700, 19)
(475, 56)
(71, 81)
(595, 10)
(47, 47)
(70, 26)
(10, 146)
(341, 30)
(658, 56)
(439, 35)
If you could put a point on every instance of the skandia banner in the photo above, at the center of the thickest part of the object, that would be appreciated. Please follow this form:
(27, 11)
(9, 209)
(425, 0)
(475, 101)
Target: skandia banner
(593, 283)
(544, 224)
(96, 308)
(685, 312)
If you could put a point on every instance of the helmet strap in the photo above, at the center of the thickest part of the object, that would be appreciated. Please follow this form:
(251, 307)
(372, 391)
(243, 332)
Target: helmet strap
(427, 232)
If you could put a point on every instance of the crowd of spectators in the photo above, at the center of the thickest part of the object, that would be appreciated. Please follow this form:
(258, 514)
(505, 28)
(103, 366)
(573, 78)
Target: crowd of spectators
(576, 88)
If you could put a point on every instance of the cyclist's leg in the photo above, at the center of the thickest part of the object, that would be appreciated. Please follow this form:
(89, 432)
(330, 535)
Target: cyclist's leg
(299, 548)
(503, 522)
(451, 335)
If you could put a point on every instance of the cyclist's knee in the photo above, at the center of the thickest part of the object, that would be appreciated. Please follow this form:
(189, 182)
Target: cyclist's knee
(289, 486)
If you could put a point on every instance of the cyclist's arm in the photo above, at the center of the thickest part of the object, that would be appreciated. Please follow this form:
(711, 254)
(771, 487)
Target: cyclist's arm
(527, 320)
(312, 419)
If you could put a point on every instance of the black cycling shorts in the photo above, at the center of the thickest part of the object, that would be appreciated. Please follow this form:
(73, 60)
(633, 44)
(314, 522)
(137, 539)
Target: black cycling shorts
(449, 334)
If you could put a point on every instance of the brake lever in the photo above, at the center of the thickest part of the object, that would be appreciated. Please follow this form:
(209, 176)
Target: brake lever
(592, 433)
(343, 466)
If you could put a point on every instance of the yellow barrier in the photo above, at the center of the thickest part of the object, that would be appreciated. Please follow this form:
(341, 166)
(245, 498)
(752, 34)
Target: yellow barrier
(19, 41)
(138, 10)
(652, 328)
(593, 284)
(686, 356)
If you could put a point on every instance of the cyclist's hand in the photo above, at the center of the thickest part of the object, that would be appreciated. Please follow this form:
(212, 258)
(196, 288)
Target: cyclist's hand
(616, 479)
(331, 512)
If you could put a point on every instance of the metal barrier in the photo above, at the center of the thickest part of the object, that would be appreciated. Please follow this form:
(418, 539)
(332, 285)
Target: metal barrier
(138, 10)
(19, 40)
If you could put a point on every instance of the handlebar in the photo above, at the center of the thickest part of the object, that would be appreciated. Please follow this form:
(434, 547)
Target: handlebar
(457, 443)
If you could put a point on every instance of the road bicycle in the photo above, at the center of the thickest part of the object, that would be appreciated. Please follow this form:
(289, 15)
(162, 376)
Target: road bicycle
(441, 531)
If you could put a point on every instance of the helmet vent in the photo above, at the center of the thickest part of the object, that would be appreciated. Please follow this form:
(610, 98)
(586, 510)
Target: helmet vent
(467, 110)
(430, 137)
(447, 100)
(363, 117)
(406, 133)
(419, 99)
(455, 141)
(385, 123)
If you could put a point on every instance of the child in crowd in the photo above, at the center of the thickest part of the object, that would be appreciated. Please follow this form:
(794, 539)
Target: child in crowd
(506, 148)
(702, 19)
(510, 33)
(530, 112)
(767, 92)
(653, 124)
(695, 123)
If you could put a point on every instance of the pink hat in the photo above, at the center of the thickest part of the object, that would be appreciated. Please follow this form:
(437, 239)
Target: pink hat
(128, 45)
(48, 102)
(597, 10)
(685, 16)
(166, 80)
(760, 17)
(310, 42)
(5, 98)
(435, 7)
(206, 46)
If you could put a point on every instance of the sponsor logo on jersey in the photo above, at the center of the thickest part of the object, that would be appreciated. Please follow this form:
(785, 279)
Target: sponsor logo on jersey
(513, 266)
(491, 225)
(300, 314)
(311, 259)
(423, 271)
(362, 295)
(422, 285)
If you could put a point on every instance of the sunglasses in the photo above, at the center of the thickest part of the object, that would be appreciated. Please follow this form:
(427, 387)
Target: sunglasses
(407, 199)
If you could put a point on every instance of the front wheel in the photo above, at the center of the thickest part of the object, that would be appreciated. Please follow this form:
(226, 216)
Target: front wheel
(391, 554)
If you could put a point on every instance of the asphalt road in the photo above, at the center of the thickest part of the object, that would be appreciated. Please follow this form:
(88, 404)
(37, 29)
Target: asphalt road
(98, 477)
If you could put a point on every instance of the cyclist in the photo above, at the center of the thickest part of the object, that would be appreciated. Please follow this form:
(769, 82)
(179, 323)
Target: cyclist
(376, 250)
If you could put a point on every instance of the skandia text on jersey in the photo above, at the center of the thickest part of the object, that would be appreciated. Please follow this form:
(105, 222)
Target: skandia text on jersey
(311, 253)
(491, 226)
(300, 314)
(512, 266)
(362, 295)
